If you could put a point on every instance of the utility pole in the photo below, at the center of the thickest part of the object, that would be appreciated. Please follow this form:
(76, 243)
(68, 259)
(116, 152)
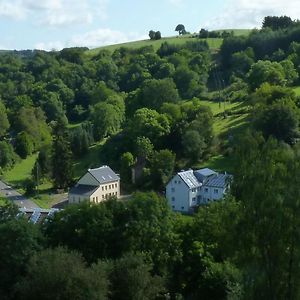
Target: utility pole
(37, 178)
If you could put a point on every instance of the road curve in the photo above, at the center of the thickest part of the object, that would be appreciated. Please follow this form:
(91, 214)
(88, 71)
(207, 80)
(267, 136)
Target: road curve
(14, 196)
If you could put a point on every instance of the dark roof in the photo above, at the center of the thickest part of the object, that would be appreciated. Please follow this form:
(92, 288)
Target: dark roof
(104, 174)
(202, 174)
(83, 190)
(218, 180)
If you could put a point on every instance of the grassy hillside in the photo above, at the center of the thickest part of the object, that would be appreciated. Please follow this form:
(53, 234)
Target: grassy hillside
(178, 40)
(21, 171)
(237, 32)
(214, 43)
(233, 124)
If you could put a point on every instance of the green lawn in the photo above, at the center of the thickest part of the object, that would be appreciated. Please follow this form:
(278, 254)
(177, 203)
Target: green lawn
(2, 201)
(297, 90)
(218, 163)
(218, 107)
(232, 124)
(47, 200)
(238, 32)
(73, 125)
(89, 160)
(212, 43)
(21, 171)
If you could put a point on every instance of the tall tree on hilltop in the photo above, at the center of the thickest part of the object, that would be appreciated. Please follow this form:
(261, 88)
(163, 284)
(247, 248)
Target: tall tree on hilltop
(61, 157)
(181, 29)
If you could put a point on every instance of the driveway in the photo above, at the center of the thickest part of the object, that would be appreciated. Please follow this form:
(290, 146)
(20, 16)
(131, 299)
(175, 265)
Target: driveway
(14, 196)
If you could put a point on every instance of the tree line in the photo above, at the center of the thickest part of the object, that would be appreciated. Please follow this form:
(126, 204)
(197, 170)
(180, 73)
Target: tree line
(245, 247)
(109, 96)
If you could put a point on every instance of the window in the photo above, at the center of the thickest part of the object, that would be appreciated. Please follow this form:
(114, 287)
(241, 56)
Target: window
(206, 190)
(173, 190)
(194, 199)
(199, 199)
(102, 196)
(199, 189)
(173, 199)
(173, 206)
(103, 188)
(97, 199)
(109, 187)
(216, 191)
(106, 187)
(179, 181)
(193, 190)
(182, 207)
(175, 181)
(116, 185)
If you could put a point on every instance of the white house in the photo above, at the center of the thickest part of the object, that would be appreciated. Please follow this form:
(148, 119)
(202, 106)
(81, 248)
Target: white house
(95, 186)
(188, 189)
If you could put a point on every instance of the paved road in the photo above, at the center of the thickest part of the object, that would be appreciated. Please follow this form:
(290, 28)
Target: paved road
(11, 194)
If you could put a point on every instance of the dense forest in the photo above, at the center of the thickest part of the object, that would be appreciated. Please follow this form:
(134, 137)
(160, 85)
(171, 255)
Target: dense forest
(145, 109)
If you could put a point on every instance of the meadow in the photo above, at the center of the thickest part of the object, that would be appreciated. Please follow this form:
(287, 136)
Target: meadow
(213, 43)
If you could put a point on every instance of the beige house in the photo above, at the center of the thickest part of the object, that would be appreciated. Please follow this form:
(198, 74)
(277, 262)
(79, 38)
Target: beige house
(96, 186)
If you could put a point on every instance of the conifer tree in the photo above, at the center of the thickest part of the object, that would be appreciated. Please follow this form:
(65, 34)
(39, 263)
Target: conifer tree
(61, 157)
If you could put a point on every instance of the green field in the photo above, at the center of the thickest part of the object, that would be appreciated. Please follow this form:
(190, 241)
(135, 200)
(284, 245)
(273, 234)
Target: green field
(219, 107)
(219, 163)
(233, 122)
(212, 43)
(238, 32)
(233, 125)
(230, 124)
(20, 172)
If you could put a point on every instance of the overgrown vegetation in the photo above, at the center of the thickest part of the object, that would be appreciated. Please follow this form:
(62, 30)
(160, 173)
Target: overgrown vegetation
(156, 111)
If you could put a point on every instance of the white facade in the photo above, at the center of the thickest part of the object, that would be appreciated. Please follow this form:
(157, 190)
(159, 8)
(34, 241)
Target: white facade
(95, 186)
(186, 189)
(178, 194)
